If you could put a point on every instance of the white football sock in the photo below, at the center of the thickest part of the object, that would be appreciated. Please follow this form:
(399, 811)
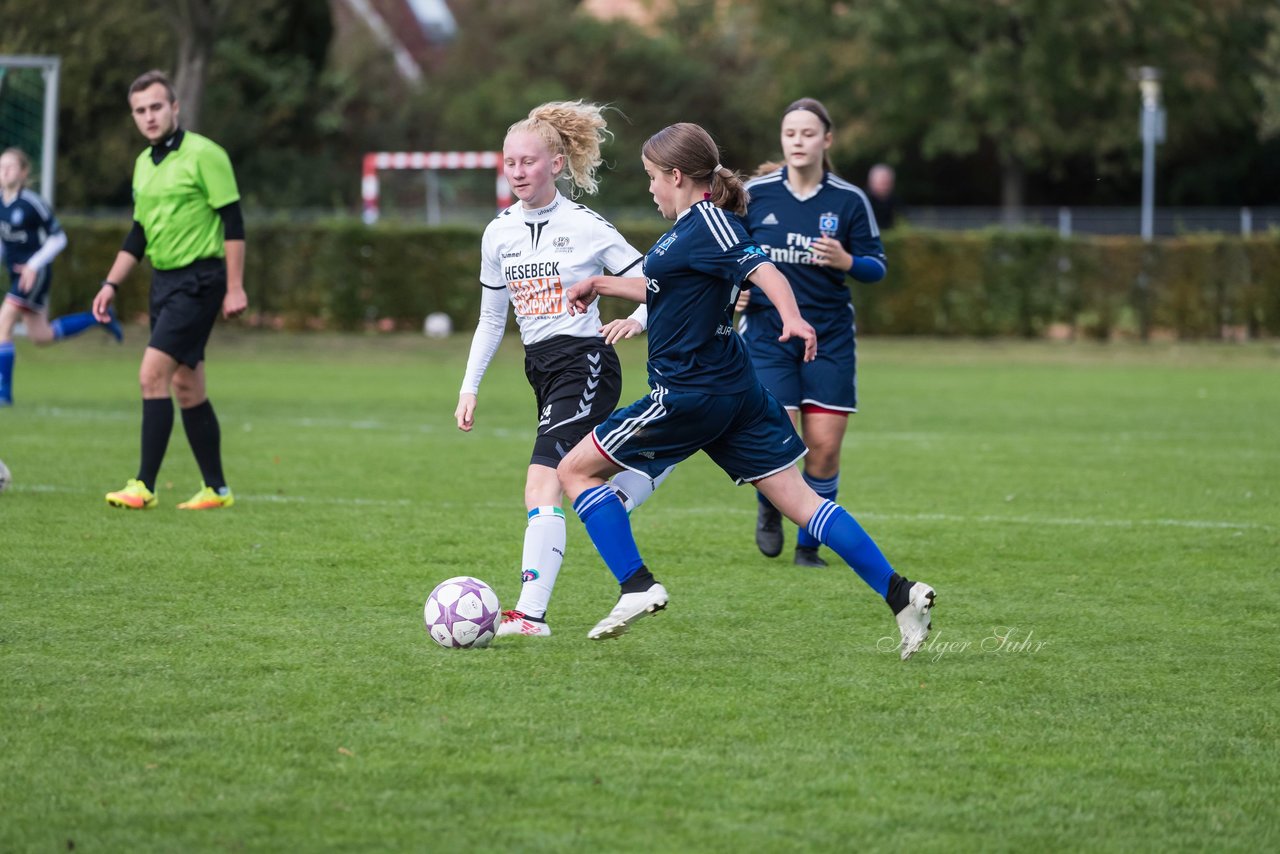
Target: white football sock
(634, 489)
(543, 554)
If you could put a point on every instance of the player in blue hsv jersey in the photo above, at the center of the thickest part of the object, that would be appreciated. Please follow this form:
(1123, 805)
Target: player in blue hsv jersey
(30, 238)
(706, 396)
(529, 254)
(819, 229)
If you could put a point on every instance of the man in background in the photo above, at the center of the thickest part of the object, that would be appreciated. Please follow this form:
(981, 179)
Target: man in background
(880, 182)
(187, 221)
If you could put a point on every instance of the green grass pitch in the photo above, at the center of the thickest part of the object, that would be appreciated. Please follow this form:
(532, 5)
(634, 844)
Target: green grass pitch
(1101, 523)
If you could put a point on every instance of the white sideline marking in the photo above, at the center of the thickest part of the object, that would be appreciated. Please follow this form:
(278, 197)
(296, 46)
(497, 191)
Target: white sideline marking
(1091, 523)
(330, 424)
(1209, 524)
(923, 439)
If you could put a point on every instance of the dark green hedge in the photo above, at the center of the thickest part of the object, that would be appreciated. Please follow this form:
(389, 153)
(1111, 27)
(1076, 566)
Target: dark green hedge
(994, 283)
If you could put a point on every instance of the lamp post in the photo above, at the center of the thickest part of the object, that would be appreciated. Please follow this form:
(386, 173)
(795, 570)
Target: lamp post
(1152, 129)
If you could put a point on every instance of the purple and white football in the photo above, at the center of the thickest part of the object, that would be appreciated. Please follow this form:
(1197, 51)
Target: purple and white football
(462, 613)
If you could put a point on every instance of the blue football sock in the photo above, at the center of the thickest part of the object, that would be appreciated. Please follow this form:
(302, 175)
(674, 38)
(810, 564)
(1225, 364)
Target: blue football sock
(607, 524)
(6, 372)
(834, 527)
(71, 325)
(826, 488)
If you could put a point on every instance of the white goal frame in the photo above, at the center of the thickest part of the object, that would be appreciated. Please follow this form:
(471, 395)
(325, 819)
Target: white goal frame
(428, 161)
(51, 66)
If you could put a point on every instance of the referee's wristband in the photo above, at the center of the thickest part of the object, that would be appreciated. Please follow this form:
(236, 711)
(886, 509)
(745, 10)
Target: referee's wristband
(111, 284)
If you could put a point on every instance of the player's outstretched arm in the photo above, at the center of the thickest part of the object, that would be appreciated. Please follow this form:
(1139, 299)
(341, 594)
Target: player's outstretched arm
(580, 296)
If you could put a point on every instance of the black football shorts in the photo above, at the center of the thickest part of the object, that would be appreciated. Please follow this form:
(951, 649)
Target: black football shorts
(184, 305)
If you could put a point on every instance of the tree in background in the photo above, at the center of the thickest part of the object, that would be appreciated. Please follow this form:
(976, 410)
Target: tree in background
(509, 57)
(1027, 83)
(979, 100)
(96, 139)
(273, 105)
(267, 103)
(195, 25)
(1209, 52)
(1267, 75)
(1043, 91)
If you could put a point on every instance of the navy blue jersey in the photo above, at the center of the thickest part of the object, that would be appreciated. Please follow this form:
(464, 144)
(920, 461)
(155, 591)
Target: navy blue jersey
(785, 226)
(694, 274)
(25, 224)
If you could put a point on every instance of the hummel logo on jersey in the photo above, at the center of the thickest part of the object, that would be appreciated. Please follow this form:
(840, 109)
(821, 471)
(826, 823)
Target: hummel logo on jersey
(506, 255)
(769, 219)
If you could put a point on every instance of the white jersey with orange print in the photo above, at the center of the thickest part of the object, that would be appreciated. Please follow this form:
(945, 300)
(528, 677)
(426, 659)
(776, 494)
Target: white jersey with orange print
(529, 258)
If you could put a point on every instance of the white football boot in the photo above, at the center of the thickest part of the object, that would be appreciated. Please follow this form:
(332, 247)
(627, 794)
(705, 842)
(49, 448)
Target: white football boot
(915, 620)
(516, 623)
(630, 607)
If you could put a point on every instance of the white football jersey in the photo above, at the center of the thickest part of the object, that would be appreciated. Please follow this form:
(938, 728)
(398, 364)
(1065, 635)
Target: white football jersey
(536, 255)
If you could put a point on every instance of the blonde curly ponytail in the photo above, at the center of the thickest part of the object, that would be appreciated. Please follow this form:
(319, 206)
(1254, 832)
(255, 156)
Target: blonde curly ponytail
(575, 129)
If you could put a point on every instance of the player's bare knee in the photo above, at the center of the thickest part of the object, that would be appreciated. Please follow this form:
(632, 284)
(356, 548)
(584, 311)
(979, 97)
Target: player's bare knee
(822, 463)
(153, 380)
(573, 477)
(188, 392)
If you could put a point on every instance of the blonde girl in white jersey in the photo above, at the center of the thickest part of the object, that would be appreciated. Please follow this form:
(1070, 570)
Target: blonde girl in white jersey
(530, 254)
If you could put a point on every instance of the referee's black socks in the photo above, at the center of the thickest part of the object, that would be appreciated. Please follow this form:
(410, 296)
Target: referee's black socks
(157, 424)
(205, 437)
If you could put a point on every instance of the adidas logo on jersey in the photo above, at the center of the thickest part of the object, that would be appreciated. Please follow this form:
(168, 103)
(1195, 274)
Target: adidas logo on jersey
(769, 219)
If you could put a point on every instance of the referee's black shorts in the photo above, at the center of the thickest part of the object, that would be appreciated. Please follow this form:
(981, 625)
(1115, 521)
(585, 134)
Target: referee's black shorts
(577, 382)
(184, 305)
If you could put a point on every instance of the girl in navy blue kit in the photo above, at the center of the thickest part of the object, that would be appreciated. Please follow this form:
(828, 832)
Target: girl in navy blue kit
(820, 230)
(705, 395)
(30, 238)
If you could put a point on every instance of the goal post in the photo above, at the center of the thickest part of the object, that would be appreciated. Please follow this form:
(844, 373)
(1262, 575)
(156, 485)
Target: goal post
(428, 161)
(29, 113)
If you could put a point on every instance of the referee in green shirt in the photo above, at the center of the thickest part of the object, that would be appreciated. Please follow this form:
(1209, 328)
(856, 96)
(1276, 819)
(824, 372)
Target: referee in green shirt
(187, 220)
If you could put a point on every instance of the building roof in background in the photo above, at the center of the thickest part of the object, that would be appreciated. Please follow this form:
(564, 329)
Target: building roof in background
(639, 12)
(412, 31)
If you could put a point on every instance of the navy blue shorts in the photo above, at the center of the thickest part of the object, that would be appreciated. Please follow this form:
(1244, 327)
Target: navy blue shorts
(749, 435)
(184, 305)
(830, 381)
(37, 300)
